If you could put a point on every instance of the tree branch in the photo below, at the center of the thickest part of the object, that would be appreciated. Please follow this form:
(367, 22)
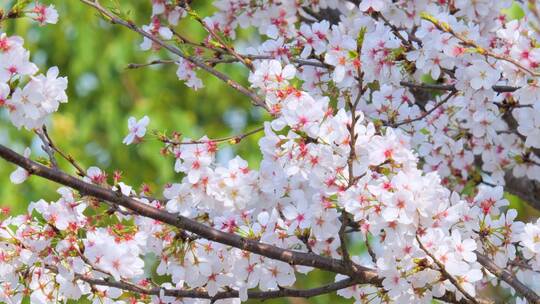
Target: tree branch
(46, 146)
(234, 138)
(420, 117)
(508, 277)
(78, 168)
(445, 273)
(360, 274)
(203, 294)
(451, 87)
(526, 189)
(364, 275)
(196, 61)
(476, 47)
(298, 61)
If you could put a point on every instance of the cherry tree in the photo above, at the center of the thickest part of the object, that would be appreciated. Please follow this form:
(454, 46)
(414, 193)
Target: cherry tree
(397, 123)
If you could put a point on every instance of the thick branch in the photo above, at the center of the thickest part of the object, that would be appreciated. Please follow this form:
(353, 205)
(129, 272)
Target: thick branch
(451, 87)
(509, 278)
(203, 294)
(362, 274)
(526, 189)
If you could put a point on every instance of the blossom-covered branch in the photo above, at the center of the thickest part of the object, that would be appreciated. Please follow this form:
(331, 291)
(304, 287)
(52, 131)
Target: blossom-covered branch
(86, 189)
(115, 20)
(358, 274)
(398, 125)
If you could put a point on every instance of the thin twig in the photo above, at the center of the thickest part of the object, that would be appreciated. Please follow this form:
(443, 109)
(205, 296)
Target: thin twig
(395, 31)
(247, 62)
(476, 47)
(299, 62)
(10, 15)
(201, 293)
(235, 138)
(153, 62)
(370, 250)
(195, 60)
(438, 105)
(46, 146)
(445, 273)
(187, 41)
(80, 171)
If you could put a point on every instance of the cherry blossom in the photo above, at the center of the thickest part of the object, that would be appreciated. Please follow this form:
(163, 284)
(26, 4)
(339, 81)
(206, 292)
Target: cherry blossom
(45, 14)
(372, 5)
(530, 238)
(137, 129)
(20, 175)
(396, 125)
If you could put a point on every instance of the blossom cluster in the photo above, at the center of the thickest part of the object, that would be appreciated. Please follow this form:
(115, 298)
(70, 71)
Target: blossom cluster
(388, 59)
(29, 97)
(351, 157)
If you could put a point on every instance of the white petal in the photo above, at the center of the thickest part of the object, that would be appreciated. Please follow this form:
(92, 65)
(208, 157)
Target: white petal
(18, 176)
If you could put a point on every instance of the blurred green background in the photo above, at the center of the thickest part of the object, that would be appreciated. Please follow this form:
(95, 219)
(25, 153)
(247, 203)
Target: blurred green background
(103, 93)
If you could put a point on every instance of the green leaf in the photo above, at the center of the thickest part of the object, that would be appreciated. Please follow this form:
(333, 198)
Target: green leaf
(514, 12)
(20, 5)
